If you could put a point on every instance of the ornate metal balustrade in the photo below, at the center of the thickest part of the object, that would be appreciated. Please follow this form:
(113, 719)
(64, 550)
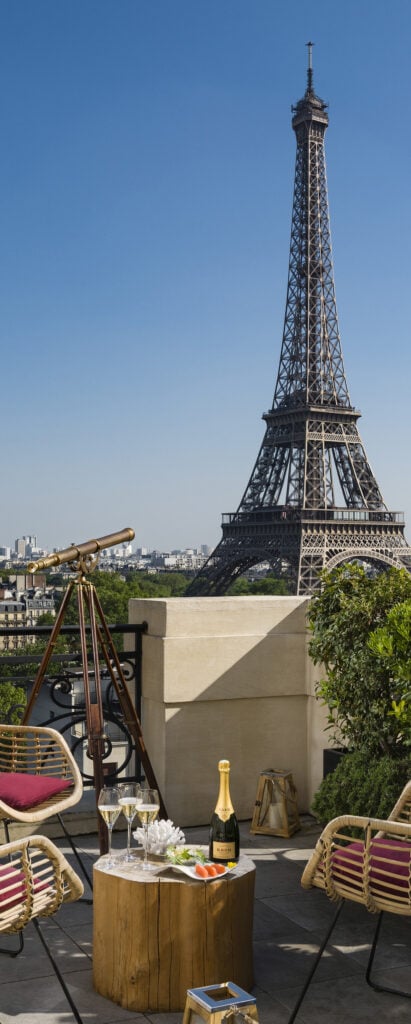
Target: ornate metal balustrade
(62, 702)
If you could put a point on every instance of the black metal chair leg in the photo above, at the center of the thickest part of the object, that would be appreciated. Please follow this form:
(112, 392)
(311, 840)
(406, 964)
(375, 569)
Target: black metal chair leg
(73, 1007)
(315, 964)
(78, 858)
(373, 984)
(13, 952)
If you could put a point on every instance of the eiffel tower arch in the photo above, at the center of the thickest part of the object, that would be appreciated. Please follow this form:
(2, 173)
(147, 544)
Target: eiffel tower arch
(312, 500)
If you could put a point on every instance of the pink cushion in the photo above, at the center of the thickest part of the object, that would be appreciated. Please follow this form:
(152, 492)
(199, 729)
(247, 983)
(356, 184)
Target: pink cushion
(22, 791)
(390, 865)
(16, 886)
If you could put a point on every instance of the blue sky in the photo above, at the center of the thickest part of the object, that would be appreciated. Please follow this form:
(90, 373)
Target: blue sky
(146, 184)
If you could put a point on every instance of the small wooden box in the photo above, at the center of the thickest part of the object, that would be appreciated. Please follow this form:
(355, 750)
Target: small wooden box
(213, 1004)
(275, 810)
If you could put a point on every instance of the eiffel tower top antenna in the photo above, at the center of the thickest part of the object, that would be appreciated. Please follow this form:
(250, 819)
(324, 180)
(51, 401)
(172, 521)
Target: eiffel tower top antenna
(310, 67)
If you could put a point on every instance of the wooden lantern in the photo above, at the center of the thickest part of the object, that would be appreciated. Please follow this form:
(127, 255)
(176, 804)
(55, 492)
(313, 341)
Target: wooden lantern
(276, 811)
(216, 1003)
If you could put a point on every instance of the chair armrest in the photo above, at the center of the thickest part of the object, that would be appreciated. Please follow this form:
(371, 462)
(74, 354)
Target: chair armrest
(35, 878)
(373, 869)
(28, 750)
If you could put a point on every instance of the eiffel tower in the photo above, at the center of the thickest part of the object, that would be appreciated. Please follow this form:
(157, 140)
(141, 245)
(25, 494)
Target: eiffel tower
(312, 500)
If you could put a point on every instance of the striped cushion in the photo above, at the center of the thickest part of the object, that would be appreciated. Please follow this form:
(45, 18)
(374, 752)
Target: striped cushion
(390, 863)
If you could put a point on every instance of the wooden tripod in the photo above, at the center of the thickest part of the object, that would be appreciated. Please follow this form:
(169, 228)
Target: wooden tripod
(101, 641)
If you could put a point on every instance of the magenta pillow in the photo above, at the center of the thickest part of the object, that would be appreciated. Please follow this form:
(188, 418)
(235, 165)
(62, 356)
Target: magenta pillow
(387, 877)
(22, 791)
(17, 891)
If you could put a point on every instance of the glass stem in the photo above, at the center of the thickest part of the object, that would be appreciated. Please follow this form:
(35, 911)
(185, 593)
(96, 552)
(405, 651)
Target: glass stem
(128, 838)
(146, 846)
(109, 843)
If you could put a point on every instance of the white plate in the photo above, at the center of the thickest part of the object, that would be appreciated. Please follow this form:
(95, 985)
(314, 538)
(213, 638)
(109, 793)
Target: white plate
(191, 873)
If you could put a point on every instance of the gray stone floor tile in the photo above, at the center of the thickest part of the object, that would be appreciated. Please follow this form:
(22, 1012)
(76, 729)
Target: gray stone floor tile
(287, 963)
(346, 1001)
(270, 1010)
(268, 924)
(311, 910)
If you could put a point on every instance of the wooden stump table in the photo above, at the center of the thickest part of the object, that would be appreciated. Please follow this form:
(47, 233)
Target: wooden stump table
(158, 934)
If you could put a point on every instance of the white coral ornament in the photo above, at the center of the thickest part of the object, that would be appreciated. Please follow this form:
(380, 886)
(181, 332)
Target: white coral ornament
(160, 835)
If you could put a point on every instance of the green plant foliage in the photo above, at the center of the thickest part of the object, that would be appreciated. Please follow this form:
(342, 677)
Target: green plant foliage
(11, 697)
(268, 585)
(361, 785)
(358, 688)
(392, 643)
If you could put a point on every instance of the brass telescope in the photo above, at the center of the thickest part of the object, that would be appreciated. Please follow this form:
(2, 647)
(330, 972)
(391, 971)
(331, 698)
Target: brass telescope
(79, 551)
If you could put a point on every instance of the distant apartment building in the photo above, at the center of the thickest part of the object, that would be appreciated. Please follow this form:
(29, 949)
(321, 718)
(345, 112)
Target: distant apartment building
(25, 546)
(122, 551)
(183, 561)
(21, 608)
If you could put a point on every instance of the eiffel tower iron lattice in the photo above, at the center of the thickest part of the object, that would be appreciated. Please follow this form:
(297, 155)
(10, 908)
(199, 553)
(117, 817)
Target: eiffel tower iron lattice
(312, 500)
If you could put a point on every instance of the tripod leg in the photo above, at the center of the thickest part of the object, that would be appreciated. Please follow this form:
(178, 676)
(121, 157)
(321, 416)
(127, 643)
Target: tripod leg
(94, 709)
(130, 715)
(47, 654)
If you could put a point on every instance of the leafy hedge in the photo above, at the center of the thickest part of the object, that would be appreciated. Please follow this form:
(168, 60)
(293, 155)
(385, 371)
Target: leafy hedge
(361, 785)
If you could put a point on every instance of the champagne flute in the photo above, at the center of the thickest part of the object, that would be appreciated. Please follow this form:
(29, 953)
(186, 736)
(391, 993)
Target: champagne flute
(147, 812)
(109, 807)
(129, 797)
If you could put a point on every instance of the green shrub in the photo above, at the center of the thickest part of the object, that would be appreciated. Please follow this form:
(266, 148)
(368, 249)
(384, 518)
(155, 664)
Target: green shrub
(361, 785)
(11, 697)
(353, 626)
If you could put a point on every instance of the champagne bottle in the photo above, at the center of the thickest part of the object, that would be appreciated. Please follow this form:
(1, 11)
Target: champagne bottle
(224, 833)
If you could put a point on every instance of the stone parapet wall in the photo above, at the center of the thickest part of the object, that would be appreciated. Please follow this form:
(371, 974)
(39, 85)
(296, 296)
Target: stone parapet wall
(227, 677)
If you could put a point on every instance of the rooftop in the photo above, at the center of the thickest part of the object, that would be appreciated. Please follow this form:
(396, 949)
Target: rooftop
(288, 926)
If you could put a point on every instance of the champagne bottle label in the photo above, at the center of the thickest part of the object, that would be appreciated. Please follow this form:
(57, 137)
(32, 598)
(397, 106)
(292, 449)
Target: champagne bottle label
(223, 851)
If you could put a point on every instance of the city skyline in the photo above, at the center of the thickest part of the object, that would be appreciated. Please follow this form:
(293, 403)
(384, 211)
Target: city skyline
(146, 189)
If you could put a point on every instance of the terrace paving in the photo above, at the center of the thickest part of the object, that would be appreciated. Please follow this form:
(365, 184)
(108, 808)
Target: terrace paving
(288, 926)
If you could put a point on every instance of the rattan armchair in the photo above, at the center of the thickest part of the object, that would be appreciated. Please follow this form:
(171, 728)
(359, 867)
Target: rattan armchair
(39, 778)
(371, 867)
(35, 879)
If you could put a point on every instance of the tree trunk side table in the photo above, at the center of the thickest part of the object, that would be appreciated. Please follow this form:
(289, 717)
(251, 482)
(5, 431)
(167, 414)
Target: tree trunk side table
(157, 935)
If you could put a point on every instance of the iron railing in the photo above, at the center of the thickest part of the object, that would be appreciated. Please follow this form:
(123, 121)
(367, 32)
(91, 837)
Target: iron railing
(280, 512)
(61, 702)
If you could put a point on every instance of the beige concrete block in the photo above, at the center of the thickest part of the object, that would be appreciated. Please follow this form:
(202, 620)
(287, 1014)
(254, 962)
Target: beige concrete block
(220, 616)
(221, 668)
(155, 740)
(150, 610)
(153, 676)
(317, 741)
(228, 677)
